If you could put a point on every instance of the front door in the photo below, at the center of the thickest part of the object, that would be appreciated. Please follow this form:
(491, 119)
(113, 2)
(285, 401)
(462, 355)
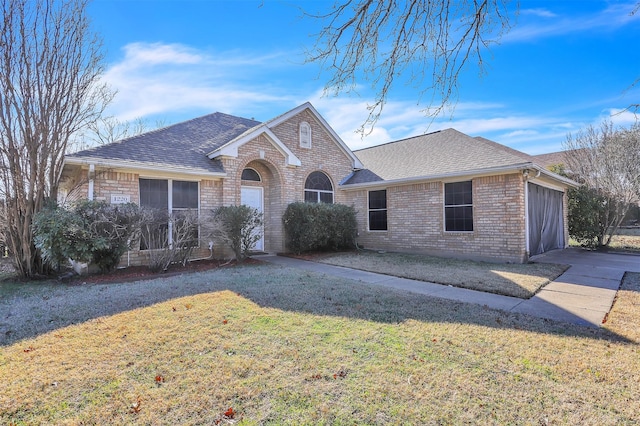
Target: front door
(252, 196)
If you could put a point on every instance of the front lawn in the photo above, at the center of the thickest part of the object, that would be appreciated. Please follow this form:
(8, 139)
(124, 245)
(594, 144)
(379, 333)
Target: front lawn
(517, 280)
(269, 345)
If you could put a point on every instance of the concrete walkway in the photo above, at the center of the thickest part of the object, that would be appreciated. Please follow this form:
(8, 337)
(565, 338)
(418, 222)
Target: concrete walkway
(582, 295)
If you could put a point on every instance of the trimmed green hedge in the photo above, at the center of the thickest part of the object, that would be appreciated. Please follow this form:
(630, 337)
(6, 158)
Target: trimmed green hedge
(319, 226)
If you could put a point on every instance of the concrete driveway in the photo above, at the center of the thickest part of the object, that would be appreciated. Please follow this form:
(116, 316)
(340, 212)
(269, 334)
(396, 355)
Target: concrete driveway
(585, 293)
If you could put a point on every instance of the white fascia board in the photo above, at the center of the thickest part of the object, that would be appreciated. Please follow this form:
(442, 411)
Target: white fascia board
(445, 177)
(136, 166)
(356, 164)
(231, 149)
(554, 176)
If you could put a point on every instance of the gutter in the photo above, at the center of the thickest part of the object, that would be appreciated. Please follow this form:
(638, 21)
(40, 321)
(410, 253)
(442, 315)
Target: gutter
(501, 170)
(439, 177)
(86, 161)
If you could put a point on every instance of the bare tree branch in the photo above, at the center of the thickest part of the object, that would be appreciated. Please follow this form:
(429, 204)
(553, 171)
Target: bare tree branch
(424, 43)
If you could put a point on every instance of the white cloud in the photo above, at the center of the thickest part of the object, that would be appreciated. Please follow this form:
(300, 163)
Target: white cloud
(621, 117)
(153, 79)
(612, 17)
(158, 53)
(531, 134)
(543, 13)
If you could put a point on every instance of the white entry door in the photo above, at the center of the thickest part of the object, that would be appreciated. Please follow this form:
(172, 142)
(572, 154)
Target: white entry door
(252, 196)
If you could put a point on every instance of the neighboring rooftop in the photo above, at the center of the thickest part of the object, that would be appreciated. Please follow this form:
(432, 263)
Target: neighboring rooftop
(550, 159)
(182, 145)
(438, 153)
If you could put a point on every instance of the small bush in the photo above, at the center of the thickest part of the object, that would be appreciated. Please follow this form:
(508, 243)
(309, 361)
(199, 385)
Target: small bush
(112, 229)
(92, 231)
(61, 235)
(236, 226)
(319, 226)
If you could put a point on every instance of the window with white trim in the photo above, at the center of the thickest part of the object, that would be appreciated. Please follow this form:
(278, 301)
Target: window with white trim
(305, 135)
(318, 188)
(378, 210)
(169, 197)
(458, 206)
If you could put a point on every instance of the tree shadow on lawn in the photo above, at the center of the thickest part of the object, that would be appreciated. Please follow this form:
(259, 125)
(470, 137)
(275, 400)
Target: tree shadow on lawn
(50, 307)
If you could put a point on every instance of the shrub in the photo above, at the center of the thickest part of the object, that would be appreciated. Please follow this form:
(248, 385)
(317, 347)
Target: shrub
(92, 231)
(319, 226)
(61, 235)
(236, 226)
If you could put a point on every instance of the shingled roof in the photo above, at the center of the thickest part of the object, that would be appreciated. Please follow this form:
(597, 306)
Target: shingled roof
(439, 153)
(551, 159)
(180, 146)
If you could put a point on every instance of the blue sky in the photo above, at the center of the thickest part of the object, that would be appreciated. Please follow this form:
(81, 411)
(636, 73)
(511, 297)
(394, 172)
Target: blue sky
(564, 65)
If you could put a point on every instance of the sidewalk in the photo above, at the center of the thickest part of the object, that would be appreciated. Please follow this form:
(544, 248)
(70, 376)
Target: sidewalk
(582, 295)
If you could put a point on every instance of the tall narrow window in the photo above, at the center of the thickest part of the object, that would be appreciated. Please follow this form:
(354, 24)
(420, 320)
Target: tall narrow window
(458, 206)
(305, 135)
(318, 188)
(378, 210)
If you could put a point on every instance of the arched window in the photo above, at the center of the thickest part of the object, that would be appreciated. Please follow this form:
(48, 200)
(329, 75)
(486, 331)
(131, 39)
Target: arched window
(305, 135)
(318, 188)
(250, 174)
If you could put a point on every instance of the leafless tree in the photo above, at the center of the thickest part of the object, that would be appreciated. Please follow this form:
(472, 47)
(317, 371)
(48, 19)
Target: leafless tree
(425, 43)
(50, 65)
(110, 129)
(607, 159)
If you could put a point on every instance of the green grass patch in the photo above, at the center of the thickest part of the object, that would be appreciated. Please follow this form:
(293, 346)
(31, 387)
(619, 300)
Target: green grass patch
(517, 280)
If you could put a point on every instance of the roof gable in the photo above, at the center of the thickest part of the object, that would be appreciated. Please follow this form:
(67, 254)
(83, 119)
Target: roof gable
(231, 147)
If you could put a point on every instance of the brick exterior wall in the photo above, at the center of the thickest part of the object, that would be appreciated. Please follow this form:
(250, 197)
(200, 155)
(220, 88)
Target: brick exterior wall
(282, 184)
(415, 220)
(415, 211)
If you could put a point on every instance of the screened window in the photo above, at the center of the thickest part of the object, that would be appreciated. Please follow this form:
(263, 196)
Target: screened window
(154, 193)
(378, 210)
(318, 188)
(458, 206)
(251, 175)
(181, 201)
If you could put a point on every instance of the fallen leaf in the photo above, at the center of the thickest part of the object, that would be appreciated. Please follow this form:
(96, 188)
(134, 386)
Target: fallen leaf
(229, 413)
(188, 306)
(342, 373)
(135, 407)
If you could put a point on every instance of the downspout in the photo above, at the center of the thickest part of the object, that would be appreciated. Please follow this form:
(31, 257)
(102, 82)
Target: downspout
(92, 174)
(525, 174)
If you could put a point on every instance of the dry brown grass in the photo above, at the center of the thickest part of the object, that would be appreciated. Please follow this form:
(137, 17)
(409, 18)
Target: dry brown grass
(283, 346)
(517, 280)
(625, 242)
